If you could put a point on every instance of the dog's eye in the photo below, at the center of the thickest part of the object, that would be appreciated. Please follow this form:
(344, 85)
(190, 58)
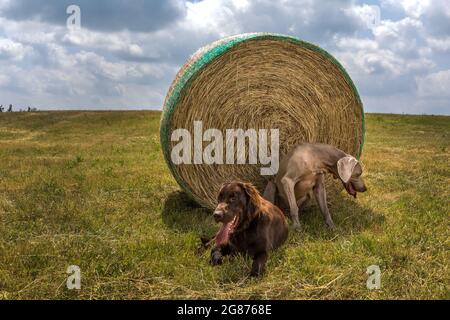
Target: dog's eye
(232, 199)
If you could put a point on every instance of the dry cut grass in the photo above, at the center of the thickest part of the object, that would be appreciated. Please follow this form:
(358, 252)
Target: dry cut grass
(92, 189)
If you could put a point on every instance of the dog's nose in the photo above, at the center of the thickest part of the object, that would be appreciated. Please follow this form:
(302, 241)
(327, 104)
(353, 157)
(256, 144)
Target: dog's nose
(218, 214)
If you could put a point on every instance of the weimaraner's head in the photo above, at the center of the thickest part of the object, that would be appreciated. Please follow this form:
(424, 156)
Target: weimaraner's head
(350, 172)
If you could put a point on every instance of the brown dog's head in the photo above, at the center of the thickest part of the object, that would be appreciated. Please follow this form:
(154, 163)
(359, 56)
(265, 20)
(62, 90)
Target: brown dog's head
(237, 203)
(350, 172)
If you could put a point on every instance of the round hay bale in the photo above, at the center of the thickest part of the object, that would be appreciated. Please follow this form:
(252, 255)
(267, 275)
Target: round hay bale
(260, 81)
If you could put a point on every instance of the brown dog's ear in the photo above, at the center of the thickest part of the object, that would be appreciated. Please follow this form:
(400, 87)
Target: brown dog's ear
(345, 167)
(221, 187)
(254, 199)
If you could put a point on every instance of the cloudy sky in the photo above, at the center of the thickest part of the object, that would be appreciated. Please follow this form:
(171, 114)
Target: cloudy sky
(127, 52)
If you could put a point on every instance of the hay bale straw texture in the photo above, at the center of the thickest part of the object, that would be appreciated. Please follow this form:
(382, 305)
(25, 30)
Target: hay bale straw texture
(260, 81)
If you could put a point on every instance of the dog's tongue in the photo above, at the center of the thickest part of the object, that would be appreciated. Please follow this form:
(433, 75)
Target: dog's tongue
(224, 233)
(351, 190)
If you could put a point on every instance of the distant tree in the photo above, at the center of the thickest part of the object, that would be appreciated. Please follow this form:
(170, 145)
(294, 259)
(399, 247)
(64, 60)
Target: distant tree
(10, 108)
(29, 109)
(1, 108)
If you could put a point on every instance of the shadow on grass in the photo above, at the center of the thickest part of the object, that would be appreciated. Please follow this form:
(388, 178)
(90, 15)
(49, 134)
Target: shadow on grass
(181, 213)
(349, 216)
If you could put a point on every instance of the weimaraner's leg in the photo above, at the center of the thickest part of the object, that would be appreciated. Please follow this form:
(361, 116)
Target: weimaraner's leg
(288, 186)
(321, 197)
(302, 202)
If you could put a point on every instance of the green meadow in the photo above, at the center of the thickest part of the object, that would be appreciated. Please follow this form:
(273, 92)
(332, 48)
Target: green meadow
(92, 189)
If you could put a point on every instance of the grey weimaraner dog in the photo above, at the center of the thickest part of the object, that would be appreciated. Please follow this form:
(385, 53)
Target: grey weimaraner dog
(302, 172)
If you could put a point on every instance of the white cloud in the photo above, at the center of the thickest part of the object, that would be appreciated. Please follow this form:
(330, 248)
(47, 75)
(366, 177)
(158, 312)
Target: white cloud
(370, 15)
(440, 44)
(214, 16)
(397, 48)
(121, 42)
(435, 85)
(399, 35)
(381, 55)
(12, 50)
(115, 71)
(392, 62)
(412, 8)
(367, 58)
(29, 32)
(241, 5)
(415, 8)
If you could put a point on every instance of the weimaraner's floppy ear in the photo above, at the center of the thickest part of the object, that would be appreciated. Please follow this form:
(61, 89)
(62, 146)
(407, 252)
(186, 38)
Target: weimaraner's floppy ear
(345, 167)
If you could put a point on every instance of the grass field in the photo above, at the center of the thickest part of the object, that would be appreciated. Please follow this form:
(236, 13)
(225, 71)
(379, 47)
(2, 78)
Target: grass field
(92, 189)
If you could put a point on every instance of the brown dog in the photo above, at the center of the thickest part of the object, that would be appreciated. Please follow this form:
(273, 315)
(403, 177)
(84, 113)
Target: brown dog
(250, 225)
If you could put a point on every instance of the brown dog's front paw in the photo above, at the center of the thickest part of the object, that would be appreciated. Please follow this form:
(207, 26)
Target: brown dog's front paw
(216, 258)
(205, 244)
(254, 273)
(259, 263)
